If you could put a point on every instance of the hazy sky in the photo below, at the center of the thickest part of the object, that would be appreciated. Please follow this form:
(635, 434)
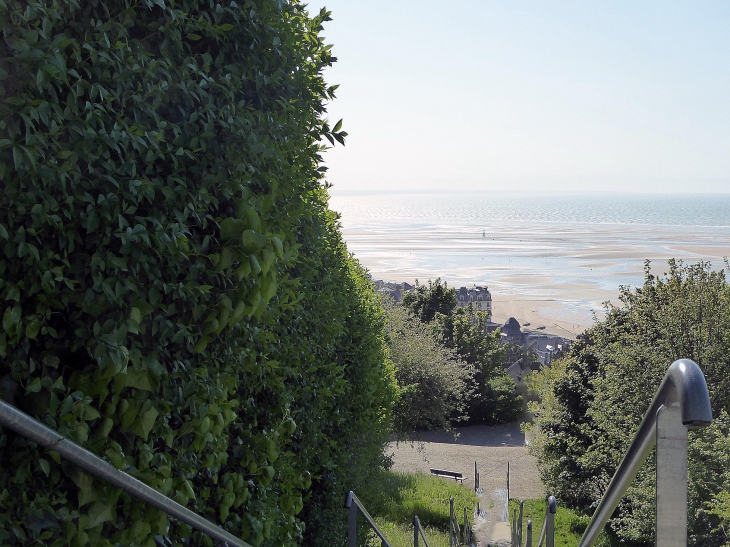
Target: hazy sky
(516, 95)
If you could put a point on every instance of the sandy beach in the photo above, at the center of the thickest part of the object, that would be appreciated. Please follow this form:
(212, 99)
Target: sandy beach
(548, 260)
(548, 274)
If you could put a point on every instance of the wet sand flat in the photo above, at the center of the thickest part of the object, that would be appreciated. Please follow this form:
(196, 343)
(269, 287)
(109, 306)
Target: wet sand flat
(546, 276)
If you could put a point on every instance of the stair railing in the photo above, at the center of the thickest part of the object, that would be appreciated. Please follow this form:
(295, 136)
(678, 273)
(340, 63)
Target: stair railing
(28, 427)
(468, 532)
(353, 505)
(454, 531)
(681, 403)
(547, 534)
(516, 524)
(418, 530)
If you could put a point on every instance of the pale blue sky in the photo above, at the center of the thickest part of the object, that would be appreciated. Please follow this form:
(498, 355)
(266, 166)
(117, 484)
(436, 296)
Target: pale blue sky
(517, 95)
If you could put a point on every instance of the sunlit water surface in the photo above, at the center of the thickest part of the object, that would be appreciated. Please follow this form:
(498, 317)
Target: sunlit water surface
(564, 254)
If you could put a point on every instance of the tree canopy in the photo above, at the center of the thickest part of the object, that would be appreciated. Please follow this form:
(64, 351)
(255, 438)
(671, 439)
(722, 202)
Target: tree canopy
(492, 397)
(593, 401)
(425, 302)
(435, 383)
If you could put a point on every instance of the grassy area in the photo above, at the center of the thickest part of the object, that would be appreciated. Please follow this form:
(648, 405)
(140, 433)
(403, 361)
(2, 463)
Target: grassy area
(392, 499)
(569, 525)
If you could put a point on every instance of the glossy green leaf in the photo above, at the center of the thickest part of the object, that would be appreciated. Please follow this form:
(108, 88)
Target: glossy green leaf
(252, 241)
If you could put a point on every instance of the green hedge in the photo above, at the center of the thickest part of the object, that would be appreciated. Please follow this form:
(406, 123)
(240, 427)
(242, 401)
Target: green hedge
(176, 296)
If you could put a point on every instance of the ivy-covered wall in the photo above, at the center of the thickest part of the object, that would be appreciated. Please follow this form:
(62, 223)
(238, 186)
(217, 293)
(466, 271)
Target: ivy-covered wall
(175, 294)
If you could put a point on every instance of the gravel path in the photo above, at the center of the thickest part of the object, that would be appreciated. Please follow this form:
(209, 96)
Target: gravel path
(492, 447)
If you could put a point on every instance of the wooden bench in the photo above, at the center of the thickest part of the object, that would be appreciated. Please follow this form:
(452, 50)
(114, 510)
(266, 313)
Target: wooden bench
(448, 474)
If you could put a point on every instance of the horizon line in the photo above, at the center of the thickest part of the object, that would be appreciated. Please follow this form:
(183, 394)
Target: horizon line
(692, 192)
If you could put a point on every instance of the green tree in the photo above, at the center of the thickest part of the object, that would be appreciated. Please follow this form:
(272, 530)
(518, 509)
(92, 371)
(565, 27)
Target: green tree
(465, 330)
(593, 402)
(425, 302)
(497, 402)
(435, 384)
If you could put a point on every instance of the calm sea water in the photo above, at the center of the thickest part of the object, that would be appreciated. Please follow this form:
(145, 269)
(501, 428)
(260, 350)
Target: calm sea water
(564, 254)
(475, 210)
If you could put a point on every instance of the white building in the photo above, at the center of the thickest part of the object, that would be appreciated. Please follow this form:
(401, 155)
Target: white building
(479, 296)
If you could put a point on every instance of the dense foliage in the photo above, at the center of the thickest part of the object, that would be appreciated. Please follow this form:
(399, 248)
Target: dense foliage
(425, 302)
(491, 395)
(494, 399)
(592, 401)
(177, 297)
(435, 384)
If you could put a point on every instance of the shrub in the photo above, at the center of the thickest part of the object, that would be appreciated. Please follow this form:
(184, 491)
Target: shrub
(498, 403)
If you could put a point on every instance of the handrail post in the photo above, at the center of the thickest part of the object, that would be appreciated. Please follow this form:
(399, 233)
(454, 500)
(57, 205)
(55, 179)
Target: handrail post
(415, 531)
(550, 517)
(351, 520)
(454, 531)
(508, 484)
(466, 533)
(465, 524)
(519, 523)
(528, 536)
(671, 478)
(451, 522)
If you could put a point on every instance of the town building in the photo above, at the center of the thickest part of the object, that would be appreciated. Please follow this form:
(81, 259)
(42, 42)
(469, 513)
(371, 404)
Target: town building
(544, 346)
(394, 290)
(480, 297)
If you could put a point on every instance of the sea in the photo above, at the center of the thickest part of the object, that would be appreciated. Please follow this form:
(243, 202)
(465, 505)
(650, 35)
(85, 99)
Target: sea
(549, 258)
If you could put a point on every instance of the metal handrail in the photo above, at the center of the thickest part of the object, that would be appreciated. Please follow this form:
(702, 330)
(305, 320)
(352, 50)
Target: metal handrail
(21, 423)
(468, 532)
(516, 524)
(353, 505)
(681, 402)
(547, 534)
(548, 526)
(513, 527)
(417, 529)
(454, 532)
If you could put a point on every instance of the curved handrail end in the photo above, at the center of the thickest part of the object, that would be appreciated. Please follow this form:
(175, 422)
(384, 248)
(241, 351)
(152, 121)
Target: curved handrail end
(552, 504)
(348, 499)
(694, 398)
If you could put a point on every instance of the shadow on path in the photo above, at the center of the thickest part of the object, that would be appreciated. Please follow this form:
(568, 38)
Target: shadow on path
(476, 435)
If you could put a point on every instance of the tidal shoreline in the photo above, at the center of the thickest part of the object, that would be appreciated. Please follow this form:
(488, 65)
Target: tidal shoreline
(548, 260)
(557, 278)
